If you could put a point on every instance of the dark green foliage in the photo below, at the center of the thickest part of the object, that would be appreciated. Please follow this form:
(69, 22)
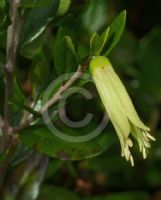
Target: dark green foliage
(150, 62)
(56, 37)
(36, 20)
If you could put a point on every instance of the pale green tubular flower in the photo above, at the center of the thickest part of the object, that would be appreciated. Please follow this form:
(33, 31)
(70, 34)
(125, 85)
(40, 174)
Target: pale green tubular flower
(119, 108)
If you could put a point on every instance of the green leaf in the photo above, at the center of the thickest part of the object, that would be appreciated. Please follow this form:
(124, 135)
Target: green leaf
(64, 59)
(36, 21)
(40, 69)
(97, 42)
(5, 20)
(30, 182)
(125, 52)
(30, 50)
(94, 16)
(94, 42)
(104, 38)
(150, 61)
(71, 46)
(41, 139)
(53, 168)
(116, 30)
(35, 3)
(18, 96)
(3, 39)
(3, 155)
(25, 107)
(3, 6)
(56, 193)
(63, 7)
(122, 196)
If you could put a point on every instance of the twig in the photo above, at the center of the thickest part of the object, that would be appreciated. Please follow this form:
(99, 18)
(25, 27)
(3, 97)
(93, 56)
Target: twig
(76, 75)
(4, 166)
(57, 96)
(34, 166)
(54, 99)
(8, 142)
(12, 42)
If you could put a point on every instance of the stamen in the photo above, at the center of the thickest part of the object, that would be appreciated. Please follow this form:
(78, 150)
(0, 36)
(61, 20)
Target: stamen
(146, 144)
(144, 153)
(129, 142)
(145, 136)
(122, 153)
(150, 136)
(140, 145)
(127, 154)
(132, 161)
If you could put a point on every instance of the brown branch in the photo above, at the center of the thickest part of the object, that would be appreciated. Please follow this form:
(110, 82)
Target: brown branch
(54, 99)
(69, 83)
(34, 166)
(8, 143)
(5, 163)
(57, 96)
(64, 87)
(12, 42)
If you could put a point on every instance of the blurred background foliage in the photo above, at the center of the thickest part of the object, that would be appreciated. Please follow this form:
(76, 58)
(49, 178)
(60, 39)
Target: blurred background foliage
(42, 57)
